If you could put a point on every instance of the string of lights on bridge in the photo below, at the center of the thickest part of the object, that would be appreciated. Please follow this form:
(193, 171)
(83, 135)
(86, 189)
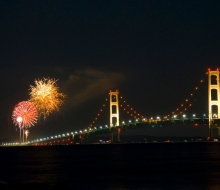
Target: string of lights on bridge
(133, 113)
(184, 106)
(94, 123)
(130, 110)
(123, 106)
(188, 102)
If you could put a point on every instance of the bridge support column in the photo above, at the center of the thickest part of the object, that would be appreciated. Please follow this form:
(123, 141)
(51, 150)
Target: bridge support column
(218, 133)
(213, 98)
(114, 112)
(210, 132)
(118, 134)
(111, 135)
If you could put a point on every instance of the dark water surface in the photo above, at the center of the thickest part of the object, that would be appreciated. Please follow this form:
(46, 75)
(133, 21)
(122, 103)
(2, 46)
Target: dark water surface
(194, 165)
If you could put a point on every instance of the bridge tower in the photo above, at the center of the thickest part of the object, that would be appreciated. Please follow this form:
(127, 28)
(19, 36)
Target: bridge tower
(114, 114)
(213, 100)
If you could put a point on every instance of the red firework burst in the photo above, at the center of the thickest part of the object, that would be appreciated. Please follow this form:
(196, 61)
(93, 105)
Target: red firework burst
(27, 111)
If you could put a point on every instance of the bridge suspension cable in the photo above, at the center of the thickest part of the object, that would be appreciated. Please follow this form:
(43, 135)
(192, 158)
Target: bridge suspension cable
(190, 100)
(124, 106)
(129, 110)
(133, 113)
(99, 115)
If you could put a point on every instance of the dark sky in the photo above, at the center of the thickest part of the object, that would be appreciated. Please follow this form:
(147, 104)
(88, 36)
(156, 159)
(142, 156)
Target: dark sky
(154, 52)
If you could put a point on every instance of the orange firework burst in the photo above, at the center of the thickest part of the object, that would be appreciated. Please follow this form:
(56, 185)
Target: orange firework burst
(27, 112)
(45, 96)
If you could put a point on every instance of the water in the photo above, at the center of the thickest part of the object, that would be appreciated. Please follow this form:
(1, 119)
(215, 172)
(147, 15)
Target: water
(192, 165)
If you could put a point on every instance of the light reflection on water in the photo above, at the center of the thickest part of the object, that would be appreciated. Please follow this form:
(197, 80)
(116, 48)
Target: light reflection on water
(126, 166)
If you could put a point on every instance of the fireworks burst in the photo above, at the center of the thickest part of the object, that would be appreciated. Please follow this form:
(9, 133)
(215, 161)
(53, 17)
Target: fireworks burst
(45, 96)
(27, 111)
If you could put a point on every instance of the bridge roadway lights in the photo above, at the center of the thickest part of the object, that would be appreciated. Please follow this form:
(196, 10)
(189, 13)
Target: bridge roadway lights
(58, 141)
(118, 129)
(84, 136)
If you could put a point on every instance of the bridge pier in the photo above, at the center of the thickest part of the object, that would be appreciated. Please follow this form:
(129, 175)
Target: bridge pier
(218, 133)
(111, 135)
(213, 100)
(118, 134)
(214, 131)
(117, 131)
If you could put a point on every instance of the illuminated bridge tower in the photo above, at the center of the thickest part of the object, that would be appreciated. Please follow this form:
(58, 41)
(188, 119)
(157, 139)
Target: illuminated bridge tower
(213, 101)
(114, 114)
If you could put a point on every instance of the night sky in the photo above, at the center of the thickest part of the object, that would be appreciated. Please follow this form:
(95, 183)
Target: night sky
(154, 52)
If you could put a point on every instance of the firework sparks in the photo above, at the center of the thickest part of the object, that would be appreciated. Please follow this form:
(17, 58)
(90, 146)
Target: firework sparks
(45, 96)
(27, 112)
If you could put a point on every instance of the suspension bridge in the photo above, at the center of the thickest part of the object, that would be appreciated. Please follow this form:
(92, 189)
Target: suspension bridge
(116, 126)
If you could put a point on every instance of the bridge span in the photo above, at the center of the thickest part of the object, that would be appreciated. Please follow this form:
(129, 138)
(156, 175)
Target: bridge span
(83, 137)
